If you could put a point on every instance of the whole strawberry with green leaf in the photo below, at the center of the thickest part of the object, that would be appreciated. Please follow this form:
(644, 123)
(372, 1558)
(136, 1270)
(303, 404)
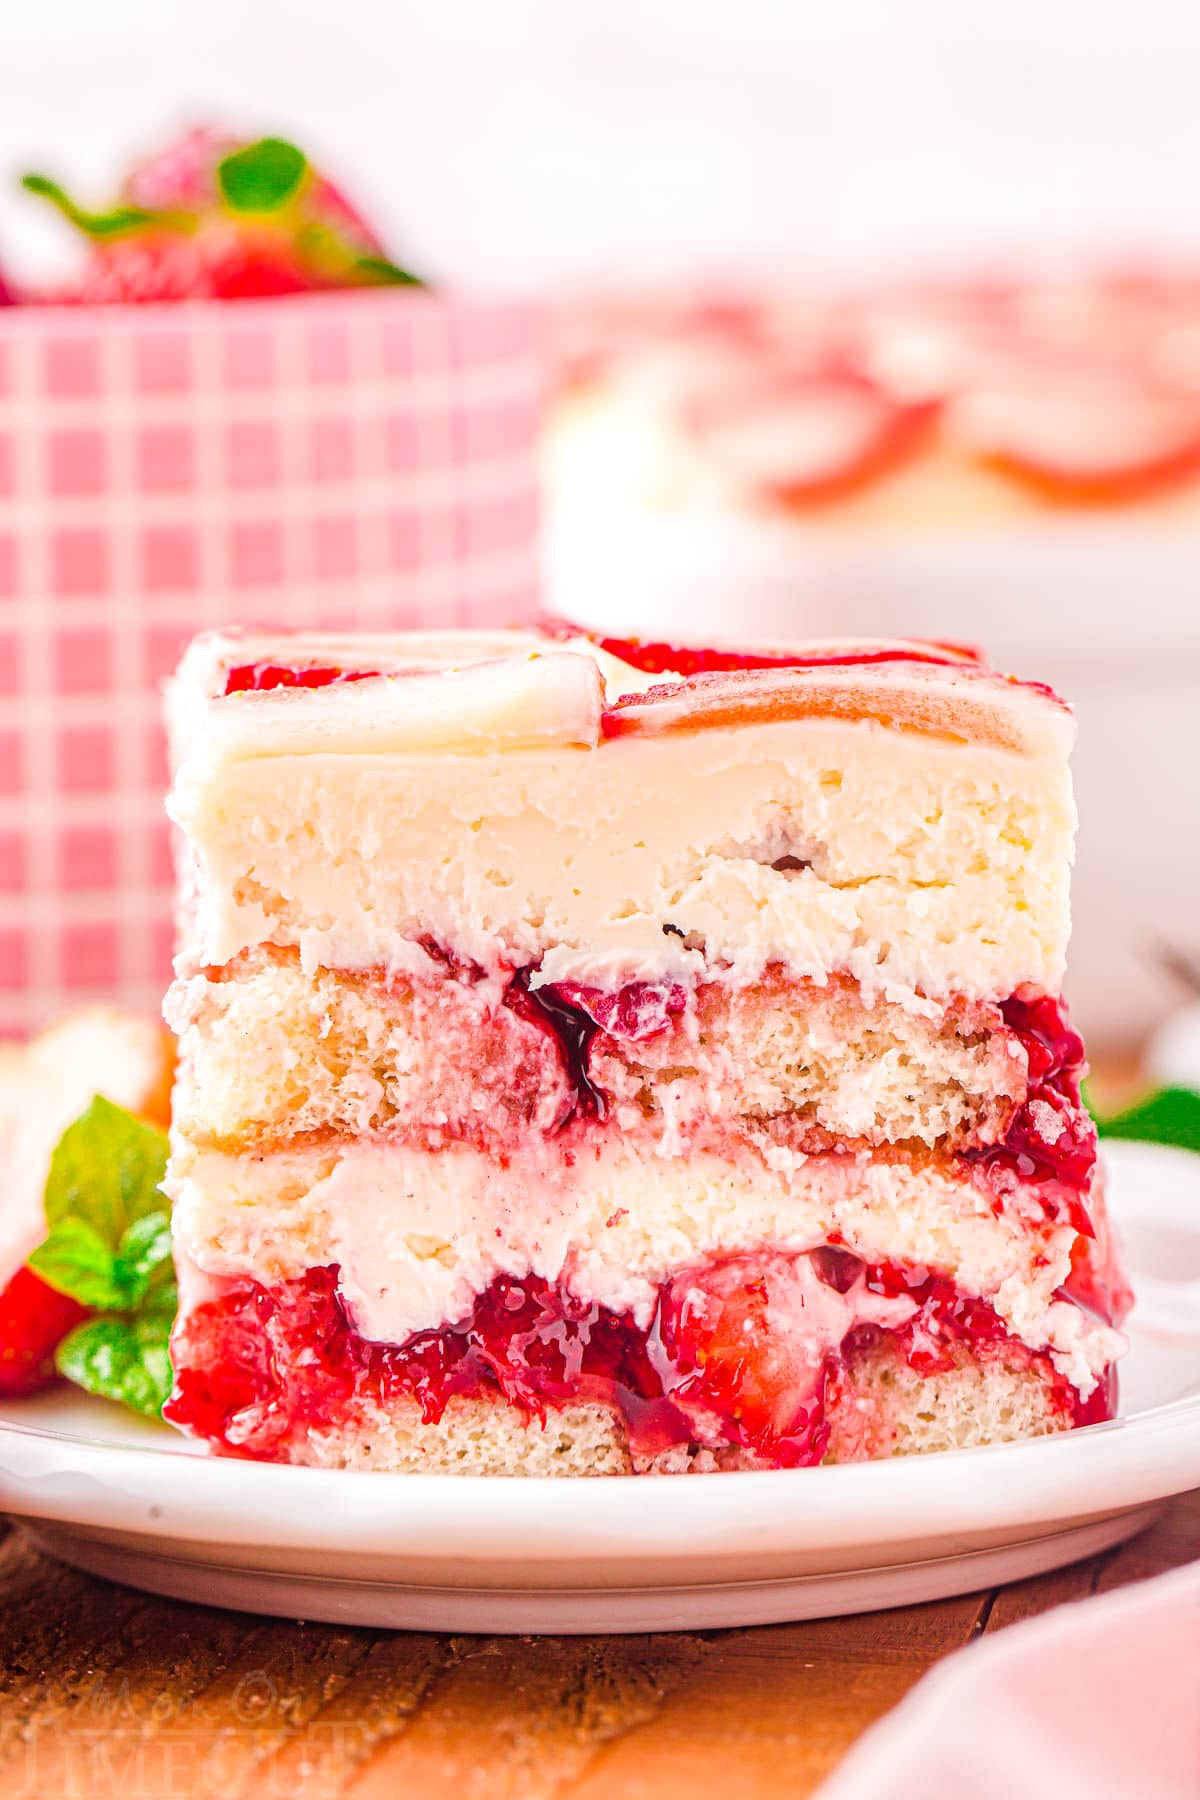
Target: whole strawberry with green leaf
(212, 217)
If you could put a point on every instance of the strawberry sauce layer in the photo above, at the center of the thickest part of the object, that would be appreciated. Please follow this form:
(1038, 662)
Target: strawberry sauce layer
(535, 1066)
(1052, 1139)
(1050, 1142)
(729, 1360)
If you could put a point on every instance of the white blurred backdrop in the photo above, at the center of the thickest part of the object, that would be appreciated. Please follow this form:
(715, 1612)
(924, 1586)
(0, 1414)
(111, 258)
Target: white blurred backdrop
(524, 142)
(537, 138)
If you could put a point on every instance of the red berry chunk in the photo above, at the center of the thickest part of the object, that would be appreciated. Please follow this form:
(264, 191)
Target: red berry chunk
(735, 1333)
(34, 1319)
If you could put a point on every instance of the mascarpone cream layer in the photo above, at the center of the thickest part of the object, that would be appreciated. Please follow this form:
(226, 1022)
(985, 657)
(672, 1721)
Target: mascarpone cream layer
(926, 865)
(418, 1235)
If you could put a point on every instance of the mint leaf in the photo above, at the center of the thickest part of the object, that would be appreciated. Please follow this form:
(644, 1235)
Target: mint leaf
(106, 1170)
(121, 1358)
(1170, 1116)
(143, 1258)
(109, 1247)
(263, 177)
(77, 1261)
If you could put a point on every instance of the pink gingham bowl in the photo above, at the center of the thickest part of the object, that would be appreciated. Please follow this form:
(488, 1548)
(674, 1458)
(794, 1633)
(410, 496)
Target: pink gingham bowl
(354, 459)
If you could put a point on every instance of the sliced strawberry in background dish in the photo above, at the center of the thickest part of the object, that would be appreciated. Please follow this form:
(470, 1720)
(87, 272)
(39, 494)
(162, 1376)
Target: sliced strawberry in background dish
(794, 438)
(1079, 437)
(216, 217)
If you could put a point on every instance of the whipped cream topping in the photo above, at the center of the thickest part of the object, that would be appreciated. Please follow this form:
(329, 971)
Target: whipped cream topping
(915, 865)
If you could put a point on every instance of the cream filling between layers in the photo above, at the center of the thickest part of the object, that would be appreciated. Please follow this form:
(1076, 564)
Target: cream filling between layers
(417, 1235)
(914, 864)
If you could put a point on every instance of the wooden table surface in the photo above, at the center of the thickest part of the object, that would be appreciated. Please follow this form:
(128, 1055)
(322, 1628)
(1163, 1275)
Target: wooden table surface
(105, 1691)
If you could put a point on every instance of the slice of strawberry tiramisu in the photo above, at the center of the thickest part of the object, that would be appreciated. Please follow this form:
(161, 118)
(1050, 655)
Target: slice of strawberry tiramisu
(600, 1058)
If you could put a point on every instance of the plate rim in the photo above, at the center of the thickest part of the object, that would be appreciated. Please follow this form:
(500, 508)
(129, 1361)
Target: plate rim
(171, 1491)
(1102, 1469)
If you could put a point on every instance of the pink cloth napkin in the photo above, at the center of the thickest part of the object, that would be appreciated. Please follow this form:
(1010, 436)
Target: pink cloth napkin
(1099, 1700)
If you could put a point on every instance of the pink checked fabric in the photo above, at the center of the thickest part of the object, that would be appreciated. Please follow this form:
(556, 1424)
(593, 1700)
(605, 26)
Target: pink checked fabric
(341, 460)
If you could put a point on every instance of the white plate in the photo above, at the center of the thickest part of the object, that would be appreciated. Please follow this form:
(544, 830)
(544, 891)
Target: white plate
(465, 1553)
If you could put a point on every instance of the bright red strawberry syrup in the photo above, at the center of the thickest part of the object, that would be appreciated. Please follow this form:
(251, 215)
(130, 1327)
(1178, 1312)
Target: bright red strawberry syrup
(258, 1367)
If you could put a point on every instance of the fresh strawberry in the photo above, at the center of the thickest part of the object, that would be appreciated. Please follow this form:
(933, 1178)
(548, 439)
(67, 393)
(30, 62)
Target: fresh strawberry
(44, 1085)
(241, 266)
(213, 218)
(738, 1334)
(34, 1319)
(183, 175)
(140, 270)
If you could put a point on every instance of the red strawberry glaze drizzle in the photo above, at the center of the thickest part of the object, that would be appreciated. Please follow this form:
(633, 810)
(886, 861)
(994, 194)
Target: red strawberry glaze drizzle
(653, 658)
(1052, 1139)
(658, 658)
(257, 1366)
(573, 1014)
(551, 1010)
